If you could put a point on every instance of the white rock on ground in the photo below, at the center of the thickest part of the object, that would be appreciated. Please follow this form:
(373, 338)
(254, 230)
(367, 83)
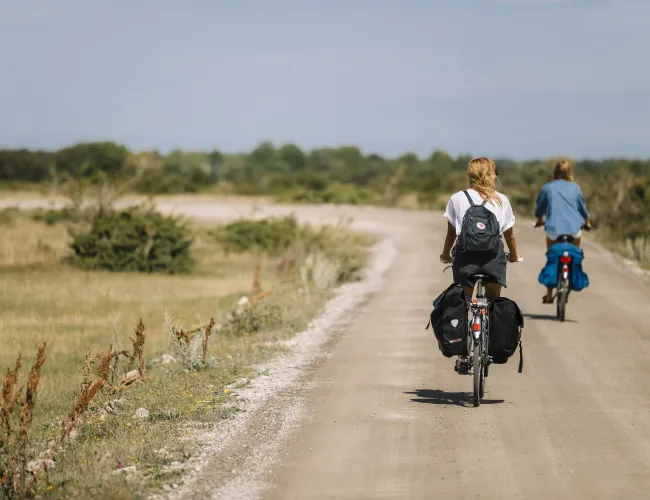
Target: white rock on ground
(141, 413)
(126, 470)
(167, 359)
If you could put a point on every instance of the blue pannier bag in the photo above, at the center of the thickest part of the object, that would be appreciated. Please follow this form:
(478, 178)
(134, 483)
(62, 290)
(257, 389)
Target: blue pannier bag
(548, 276)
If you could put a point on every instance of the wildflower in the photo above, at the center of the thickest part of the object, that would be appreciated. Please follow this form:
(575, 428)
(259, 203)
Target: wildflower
(225, 391)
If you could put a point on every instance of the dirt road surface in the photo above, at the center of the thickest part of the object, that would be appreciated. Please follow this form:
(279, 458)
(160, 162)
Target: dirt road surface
(383, 415)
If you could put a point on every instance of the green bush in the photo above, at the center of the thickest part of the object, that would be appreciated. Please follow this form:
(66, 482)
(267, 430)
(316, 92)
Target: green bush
(52, 216)
(165, 183)
(253, 319)
(271, 236)
(134, 240)
(336, 193)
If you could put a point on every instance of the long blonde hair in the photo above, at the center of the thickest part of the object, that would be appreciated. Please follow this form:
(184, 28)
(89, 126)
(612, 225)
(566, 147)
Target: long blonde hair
(563, 171)
(482, 173)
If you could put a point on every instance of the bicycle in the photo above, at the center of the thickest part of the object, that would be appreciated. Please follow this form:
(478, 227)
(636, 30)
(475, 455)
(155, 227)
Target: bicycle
(564, 274)
(478, 336)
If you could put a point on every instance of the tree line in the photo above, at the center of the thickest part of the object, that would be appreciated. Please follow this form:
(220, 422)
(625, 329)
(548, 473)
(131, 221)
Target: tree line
(616, 190)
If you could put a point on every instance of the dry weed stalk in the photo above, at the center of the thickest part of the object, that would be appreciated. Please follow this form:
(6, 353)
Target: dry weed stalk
(91, 357)
(286, 266)
(256, 278)
(183, 335)
(81, 404)
(27, 412)
(14, 442)
(259, 296)
(138, 350)
(9, 395)
(108, 373)
(206, 336)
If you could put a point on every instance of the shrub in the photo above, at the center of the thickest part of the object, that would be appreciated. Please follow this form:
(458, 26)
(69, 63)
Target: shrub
(189, 347)
(52, 216)
(253, 318)
(134, 240)
(336, 193)
(271, 236)
(319, 271)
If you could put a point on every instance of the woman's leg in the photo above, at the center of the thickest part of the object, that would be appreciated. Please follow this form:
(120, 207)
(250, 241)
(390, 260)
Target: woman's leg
(549, 291)
(469, 290)
(493, 291)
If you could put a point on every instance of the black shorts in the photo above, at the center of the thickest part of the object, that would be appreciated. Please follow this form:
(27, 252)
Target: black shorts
(493, 265)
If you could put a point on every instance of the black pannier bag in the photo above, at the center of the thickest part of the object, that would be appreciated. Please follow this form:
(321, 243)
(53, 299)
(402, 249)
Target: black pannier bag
(449, 321)
(506, 324)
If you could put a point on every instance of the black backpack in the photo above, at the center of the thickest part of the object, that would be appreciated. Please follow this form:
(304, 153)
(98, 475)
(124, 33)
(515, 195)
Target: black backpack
(449, 321)
(506, 324)
(480, 232)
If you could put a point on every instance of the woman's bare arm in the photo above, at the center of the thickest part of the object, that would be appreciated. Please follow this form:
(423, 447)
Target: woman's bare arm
(445, 256)
(509, 236)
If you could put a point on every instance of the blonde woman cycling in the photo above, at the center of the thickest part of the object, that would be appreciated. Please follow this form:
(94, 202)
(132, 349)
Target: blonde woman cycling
(482, 173)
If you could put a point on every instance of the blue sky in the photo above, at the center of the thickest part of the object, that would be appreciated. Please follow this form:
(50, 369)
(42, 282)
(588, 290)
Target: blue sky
(517, 78)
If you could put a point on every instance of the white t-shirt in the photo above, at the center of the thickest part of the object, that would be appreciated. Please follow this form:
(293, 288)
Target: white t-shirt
(458, 205)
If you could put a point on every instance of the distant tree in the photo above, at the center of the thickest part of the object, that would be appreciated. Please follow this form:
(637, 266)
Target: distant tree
(215, 160)
(293, 156)
(25, 165)
(90, 158)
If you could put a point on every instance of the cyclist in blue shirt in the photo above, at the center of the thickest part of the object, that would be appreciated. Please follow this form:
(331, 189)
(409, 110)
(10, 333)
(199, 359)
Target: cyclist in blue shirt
(562, 203)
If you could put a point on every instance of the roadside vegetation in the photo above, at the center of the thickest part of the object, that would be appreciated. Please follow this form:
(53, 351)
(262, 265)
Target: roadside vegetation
(617, 190)
(124, 330)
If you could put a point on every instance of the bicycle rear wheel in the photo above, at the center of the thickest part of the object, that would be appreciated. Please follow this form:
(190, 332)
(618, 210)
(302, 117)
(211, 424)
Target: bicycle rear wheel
(561, 301)
(478, 374)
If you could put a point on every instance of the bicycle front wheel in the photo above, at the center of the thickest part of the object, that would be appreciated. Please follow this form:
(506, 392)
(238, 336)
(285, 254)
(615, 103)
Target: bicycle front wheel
(477, 368)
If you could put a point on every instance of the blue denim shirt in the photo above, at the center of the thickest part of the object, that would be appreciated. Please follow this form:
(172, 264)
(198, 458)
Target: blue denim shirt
(564, 207)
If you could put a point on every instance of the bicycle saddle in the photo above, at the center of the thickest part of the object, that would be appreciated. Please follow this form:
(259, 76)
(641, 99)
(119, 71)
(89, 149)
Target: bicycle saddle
(473, 278)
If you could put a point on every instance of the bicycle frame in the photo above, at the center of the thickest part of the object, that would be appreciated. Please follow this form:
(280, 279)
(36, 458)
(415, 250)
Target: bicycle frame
(477, 341)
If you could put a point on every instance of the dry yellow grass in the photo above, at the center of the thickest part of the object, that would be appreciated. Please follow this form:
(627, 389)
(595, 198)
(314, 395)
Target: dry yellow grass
(28, 243)
(74, 311)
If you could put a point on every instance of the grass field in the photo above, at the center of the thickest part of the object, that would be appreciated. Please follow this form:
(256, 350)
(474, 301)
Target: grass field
(44, 299)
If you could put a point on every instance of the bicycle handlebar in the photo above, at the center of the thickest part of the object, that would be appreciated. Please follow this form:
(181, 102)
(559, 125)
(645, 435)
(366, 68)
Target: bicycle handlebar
(586, 226)
(520, 259)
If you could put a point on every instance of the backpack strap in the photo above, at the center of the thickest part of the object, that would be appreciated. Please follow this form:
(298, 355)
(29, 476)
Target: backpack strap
(471, 202)
(521, 357)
